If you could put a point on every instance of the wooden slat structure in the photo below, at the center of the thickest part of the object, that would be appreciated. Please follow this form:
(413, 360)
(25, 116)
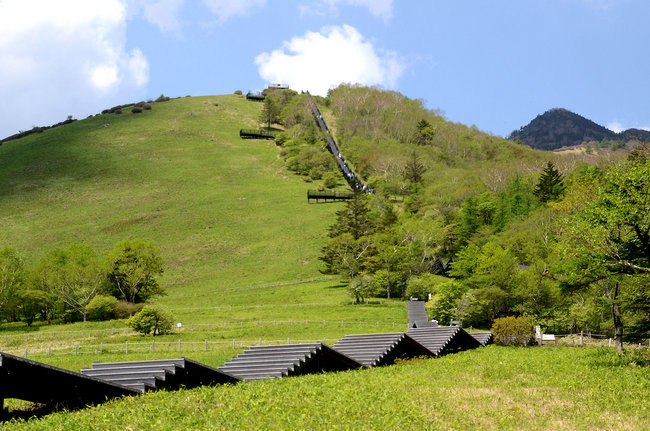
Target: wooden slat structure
(443, 339)
(255, 97)
(256, 134)
(144, 376)
(373, 350)
(33, 381)
(418, 315)
(484, 338)
(327, 196)
(264, 362)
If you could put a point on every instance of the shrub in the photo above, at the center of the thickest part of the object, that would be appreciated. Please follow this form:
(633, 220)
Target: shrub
(162, 98)
(512, 331)
(151, 319)
(316, 173)
(330, 180)
(123, 310)
(101, 307)
(147, 106)
(136, 110)
(238, 92)
(421, 286)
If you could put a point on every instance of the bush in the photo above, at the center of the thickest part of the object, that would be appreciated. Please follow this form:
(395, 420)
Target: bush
(330, 179)
(316, 173)
(380, 283)
(513, 331)
(136, 110)
(147, 106)
(238, 92)
(124, 309)
(421, 286)
(101, 307)
(162, 98)
(151, 319)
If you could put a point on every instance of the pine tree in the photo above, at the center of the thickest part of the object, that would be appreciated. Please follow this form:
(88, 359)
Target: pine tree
(414, 169)
(550, 185)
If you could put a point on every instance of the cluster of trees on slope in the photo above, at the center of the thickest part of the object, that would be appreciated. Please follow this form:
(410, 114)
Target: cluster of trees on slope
(494, 208)
(77, 283)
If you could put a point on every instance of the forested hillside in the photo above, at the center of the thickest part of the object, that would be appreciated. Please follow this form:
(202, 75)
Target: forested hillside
(478, 222)
(559, 128)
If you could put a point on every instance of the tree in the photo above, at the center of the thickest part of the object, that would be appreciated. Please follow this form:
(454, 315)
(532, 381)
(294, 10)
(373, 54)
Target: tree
(423, 133)
(360, 288)
(11, 276)
(607, 242)
(31, 303)
(354, 218)
(414, 169)
(270, 112)
(151, 319)
(345, 255)
(75, 275)
(550, 184)
(134, 264)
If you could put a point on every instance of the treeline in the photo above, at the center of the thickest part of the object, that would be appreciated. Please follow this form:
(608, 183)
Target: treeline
(78, 283)
(478, 222)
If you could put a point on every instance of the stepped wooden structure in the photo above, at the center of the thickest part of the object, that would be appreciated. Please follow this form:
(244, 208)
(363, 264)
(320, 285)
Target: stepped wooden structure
(327, 196)
(33, 381)
(144, 376)
(484, 338)
(352, 179)
(443, 339)
(256, 134)
(373, 350)
(255, 97)
(265, 362)
(418, 315)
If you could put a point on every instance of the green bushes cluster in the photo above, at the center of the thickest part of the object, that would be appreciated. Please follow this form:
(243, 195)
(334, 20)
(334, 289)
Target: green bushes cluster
(513, 331)
(77, 283)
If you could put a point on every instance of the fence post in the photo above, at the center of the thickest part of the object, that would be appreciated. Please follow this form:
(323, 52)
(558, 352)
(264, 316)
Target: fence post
(49, 350)
(610, 342)
(26, 351)
(127, 348)
(208, 326)
(206, 345)
(153, 346)
(101, 347)
(581, 338)
(233, 344)
(179, 345)
(288, 341)
(76, 347)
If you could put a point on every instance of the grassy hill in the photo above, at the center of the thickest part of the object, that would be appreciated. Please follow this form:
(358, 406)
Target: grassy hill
(234, 227)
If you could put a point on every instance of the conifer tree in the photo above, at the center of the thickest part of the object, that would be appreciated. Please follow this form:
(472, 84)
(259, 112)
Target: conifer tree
(550, 185)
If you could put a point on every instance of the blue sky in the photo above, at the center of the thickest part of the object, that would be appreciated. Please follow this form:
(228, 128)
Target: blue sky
(494, 64)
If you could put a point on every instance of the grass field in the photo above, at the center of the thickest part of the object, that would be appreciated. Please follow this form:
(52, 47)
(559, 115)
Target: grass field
(489, 388)
(241, 246)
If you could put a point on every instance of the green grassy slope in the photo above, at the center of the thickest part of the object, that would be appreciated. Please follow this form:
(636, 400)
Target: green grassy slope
(234, 227)
(221, 209)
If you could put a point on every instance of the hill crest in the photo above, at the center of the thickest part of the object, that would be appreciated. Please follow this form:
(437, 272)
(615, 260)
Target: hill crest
(559, 127)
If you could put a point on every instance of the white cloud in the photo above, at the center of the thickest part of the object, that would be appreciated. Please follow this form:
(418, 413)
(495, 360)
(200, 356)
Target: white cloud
(618, 126)
(225, 9)
(64, 58)
(378, 8)
(319, 61)
(163, 14)
(615, 126)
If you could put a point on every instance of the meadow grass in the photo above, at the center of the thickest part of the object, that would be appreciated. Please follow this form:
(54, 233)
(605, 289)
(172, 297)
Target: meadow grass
(488, 388)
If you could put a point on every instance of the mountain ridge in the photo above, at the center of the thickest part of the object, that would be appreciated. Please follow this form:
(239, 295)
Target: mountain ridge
(559, 127)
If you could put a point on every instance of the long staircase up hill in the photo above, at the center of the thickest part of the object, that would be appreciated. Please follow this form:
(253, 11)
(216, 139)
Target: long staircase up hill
(352, 179)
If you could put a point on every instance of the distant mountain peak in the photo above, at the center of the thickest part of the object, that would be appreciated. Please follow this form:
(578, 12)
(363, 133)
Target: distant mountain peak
(559, 127)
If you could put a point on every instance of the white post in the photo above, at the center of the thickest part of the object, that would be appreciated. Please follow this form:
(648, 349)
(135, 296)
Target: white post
(179, 345)
(206, 345)
(127, 348)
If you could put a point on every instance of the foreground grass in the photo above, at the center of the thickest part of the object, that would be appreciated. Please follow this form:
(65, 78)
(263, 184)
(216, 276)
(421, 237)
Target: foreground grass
(489, 388)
